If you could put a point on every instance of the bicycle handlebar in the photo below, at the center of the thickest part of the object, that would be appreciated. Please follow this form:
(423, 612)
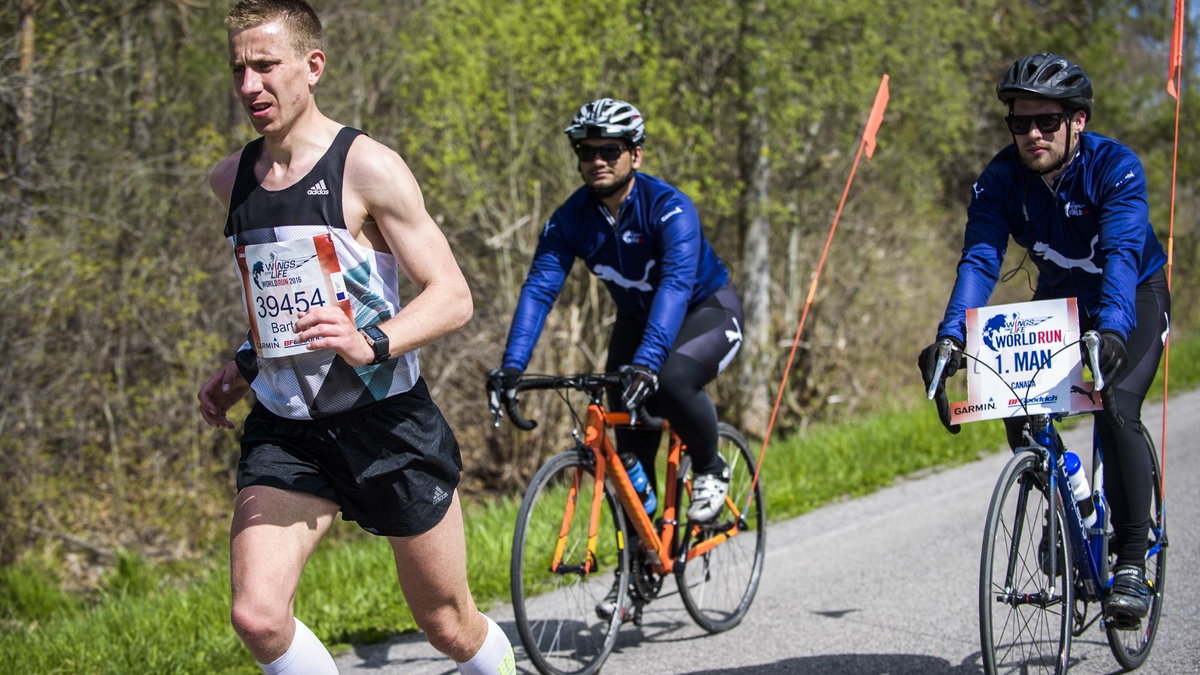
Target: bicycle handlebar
(1091, 357)
(591, 383)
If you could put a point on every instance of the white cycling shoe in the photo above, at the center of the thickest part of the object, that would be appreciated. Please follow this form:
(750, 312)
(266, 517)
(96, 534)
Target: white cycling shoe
(708, 495)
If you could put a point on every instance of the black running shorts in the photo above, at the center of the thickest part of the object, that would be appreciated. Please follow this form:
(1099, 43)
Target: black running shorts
(392, 466)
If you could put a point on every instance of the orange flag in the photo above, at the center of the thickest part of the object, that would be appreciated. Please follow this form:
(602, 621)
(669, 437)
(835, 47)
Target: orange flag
(876, 117)
(1176, 57)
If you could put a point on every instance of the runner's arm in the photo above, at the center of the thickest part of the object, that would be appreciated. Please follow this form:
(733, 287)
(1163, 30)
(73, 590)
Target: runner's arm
(384, 196)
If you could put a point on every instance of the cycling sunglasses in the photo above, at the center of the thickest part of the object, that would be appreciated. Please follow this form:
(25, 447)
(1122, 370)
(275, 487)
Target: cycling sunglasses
(608, 153)
(1045, 122)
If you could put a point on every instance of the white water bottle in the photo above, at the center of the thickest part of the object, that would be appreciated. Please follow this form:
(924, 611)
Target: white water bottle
(1079, 488)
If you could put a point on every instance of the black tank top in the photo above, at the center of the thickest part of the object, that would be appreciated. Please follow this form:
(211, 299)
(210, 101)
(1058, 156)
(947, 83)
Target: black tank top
(319, 383)
(315, 199)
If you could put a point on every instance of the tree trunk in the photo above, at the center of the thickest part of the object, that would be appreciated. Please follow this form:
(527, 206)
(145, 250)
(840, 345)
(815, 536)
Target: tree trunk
(754, 363)
(23, 159)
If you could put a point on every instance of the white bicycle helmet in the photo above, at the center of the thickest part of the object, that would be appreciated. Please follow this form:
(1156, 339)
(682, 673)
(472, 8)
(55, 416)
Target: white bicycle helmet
(608, 118)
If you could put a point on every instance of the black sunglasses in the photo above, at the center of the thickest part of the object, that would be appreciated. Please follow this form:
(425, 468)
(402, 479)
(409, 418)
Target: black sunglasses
(608, 153)
(1045, 122)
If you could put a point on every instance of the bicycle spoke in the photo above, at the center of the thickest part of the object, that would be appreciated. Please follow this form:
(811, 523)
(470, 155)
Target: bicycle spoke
(1025, 616)
(718, 584)
(556, 606)
(1131, 646)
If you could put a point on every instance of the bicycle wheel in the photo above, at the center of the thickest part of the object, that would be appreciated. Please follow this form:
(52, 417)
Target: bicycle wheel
(1024, 602)
(718, 586)
(555, 610)
(1132, 646)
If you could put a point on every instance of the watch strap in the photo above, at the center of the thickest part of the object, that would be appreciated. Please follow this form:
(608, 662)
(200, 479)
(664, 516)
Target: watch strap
(378, 341)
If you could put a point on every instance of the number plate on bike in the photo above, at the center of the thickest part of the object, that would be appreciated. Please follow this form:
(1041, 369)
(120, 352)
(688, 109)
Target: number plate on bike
(1024, 353)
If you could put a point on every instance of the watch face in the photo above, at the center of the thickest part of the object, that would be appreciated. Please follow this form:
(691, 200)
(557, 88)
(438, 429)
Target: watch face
(378, 341)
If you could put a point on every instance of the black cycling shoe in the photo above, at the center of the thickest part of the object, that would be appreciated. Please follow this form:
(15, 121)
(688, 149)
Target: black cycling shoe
(1129, 599)
(606, 607)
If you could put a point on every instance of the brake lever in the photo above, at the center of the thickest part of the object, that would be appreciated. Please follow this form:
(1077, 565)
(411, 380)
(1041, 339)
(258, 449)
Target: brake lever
(1091, 342)
(944, 351)
(494, 407)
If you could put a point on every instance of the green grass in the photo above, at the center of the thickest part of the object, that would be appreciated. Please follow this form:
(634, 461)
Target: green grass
(161, 620)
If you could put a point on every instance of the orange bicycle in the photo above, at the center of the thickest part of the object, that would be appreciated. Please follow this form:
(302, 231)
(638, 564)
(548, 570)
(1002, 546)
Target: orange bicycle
(569, 547)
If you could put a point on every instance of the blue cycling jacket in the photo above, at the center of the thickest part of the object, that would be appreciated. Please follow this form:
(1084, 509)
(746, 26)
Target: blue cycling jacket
(654, 260)
(1089, 236)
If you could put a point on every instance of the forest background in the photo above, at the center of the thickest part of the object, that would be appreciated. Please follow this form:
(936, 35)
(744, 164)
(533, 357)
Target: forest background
(120, 298)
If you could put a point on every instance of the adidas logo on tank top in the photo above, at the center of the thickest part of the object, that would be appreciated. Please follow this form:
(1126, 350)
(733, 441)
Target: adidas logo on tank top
(319, 188)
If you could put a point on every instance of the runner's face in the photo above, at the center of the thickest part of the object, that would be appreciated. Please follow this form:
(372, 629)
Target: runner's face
(1039, 150)
(273, 81)
(600, 174)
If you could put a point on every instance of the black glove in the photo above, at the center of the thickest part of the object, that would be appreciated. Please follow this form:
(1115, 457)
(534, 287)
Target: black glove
(1112, 356)
(927, 363)
(501, 385)
(927, 360)
(943, 409)
(639, 383)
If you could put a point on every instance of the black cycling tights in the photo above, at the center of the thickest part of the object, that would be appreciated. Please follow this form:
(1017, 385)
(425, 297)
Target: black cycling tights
(707, 340)
(1128, 479)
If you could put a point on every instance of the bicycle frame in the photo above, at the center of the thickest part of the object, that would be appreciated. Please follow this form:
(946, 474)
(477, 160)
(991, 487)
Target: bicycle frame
(1090, 544)
(655, 540)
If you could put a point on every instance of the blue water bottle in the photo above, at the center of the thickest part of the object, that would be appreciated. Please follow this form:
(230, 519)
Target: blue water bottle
(637, 476)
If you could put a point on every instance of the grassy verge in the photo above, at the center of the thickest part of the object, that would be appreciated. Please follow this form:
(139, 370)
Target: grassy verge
(148, 621)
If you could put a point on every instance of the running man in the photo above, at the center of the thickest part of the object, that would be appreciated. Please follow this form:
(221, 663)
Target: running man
(1077, 202)
(323, 220)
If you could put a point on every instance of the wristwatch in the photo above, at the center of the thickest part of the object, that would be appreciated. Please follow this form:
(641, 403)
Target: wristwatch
(378, 341)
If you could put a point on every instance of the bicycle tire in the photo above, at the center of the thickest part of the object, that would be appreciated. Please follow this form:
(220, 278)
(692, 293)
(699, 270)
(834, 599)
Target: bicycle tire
(555, 612)
(1025, 617)
(1131, 646)
(718, 586)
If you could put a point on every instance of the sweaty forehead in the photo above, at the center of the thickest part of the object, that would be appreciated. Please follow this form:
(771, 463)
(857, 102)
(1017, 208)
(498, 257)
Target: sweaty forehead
(268, 40)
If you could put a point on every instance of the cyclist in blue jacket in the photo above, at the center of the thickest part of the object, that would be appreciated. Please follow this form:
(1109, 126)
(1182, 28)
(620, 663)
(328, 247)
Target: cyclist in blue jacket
(1076, 201)
(678, 316)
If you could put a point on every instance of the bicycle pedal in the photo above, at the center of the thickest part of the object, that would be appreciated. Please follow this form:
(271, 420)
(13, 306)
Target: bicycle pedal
(1123, 623)
(636, 612)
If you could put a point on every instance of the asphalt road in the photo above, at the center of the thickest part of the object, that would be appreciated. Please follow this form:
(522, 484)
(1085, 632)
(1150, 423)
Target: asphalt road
(881, 585)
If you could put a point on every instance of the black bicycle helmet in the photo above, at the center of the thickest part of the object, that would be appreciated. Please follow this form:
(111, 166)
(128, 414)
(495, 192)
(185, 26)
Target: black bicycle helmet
(1047, 76)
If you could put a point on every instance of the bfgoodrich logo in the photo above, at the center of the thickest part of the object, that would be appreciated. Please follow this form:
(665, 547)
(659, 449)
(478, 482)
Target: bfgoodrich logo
(319, 188)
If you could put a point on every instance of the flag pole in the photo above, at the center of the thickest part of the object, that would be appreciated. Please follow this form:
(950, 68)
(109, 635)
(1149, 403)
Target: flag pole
(1174, 88)
(874, 120)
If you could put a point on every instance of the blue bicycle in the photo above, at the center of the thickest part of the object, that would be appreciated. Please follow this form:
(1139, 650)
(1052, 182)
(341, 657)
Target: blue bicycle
(1044, 575)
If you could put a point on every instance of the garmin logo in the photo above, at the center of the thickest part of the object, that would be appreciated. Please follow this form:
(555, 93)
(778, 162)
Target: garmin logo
(974, 408)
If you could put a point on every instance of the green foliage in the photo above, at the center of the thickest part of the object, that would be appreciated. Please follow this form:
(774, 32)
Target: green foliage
(30, 595)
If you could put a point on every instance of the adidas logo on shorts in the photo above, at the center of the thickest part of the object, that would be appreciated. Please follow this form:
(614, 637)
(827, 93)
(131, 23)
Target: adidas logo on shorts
(439, 494)
(319, 188)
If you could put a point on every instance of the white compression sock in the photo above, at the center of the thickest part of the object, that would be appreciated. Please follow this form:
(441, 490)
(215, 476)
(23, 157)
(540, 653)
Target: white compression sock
(495, 657)
(306, 656)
